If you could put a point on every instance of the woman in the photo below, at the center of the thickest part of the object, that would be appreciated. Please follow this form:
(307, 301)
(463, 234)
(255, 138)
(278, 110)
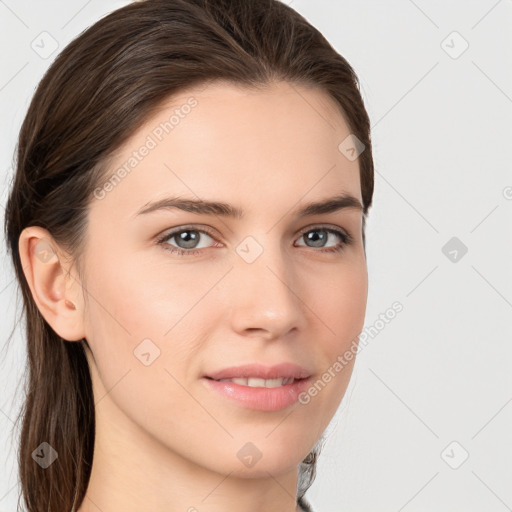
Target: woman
(186, 224)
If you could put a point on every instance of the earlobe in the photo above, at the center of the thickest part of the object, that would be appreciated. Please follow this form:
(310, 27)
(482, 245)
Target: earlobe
(49, 282)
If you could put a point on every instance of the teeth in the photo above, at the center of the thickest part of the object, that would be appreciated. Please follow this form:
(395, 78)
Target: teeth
(260, 383)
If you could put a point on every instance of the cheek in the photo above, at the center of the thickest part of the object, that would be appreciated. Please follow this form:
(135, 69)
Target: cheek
(340, 299)
(137, 308)
(142, 296)
(337, 306)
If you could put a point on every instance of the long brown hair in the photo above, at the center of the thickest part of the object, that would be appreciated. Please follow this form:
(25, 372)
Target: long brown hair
(103, 86)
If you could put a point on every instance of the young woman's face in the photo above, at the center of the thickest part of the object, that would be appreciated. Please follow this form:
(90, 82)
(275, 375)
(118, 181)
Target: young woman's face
(269, 286)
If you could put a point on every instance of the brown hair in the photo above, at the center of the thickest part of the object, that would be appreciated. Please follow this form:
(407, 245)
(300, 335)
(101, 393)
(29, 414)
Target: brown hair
(103, 86)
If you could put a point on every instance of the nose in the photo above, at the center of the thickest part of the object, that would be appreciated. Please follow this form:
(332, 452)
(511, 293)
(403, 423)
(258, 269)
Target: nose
(265, 296)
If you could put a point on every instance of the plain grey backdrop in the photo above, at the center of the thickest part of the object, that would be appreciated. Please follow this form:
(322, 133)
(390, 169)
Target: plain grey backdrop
(426, 421)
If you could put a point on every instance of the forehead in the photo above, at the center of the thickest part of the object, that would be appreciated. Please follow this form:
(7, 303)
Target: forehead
(256, 147)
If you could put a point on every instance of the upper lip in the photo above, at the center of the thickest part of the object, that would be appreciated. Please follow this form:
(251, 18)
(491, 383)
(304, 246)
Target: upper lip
(256, 370)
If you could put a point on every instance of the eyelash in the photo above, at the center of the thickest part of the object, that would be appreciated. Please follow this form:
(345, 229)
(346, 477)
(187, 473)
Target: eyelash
(346, 239)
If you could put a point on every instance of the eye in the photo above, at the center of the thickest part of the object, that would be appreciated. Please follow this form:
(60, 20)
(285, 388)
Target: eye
(187, 239)
(311, 236)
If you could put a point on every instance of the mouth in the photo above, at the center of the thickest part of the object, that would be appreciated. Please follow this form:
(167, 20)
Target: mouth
(256, 382)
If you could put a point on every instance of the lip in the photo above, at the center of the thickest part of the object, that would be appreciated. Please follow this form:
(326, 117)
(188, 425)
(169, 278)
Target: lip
(260, 371)
(259, 399)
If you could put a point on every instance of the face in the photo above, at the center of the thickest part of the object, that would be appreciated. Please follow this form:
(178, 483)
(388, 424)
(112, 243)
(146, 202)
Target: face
(174, 295)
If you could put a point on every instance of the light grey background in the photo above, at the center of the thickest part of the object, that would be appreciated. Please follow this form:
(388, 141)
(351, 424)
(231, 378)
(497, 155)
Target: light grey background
(433, 385)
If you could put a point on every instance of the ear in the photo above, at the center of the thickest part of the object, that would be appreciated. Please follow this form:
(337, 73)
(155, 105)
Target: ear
(57, 294)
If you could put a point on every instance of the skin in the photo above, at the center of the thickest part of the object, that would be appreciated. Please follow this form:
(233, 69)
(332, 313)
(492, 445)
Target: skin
(164, 442)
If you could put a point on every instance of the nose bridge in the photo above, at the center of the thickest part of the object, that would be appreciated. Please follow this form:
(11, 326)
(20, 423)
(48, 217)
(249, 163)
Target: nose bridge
(263, 291)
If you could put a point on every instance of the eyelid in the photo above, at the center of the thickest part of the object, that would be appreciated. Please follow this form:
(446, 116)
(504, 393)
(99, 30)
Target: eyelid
(167, 235)
(333, 227)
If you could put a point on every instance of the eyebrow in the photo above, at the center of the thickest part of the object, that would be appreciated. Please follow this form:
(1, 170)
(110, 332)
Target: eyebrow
(204, 207)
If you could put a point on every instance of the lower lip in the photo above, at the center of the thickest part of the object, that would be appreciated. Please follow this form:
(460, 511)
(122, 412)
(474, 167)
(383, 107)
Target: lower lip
(260, 399)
